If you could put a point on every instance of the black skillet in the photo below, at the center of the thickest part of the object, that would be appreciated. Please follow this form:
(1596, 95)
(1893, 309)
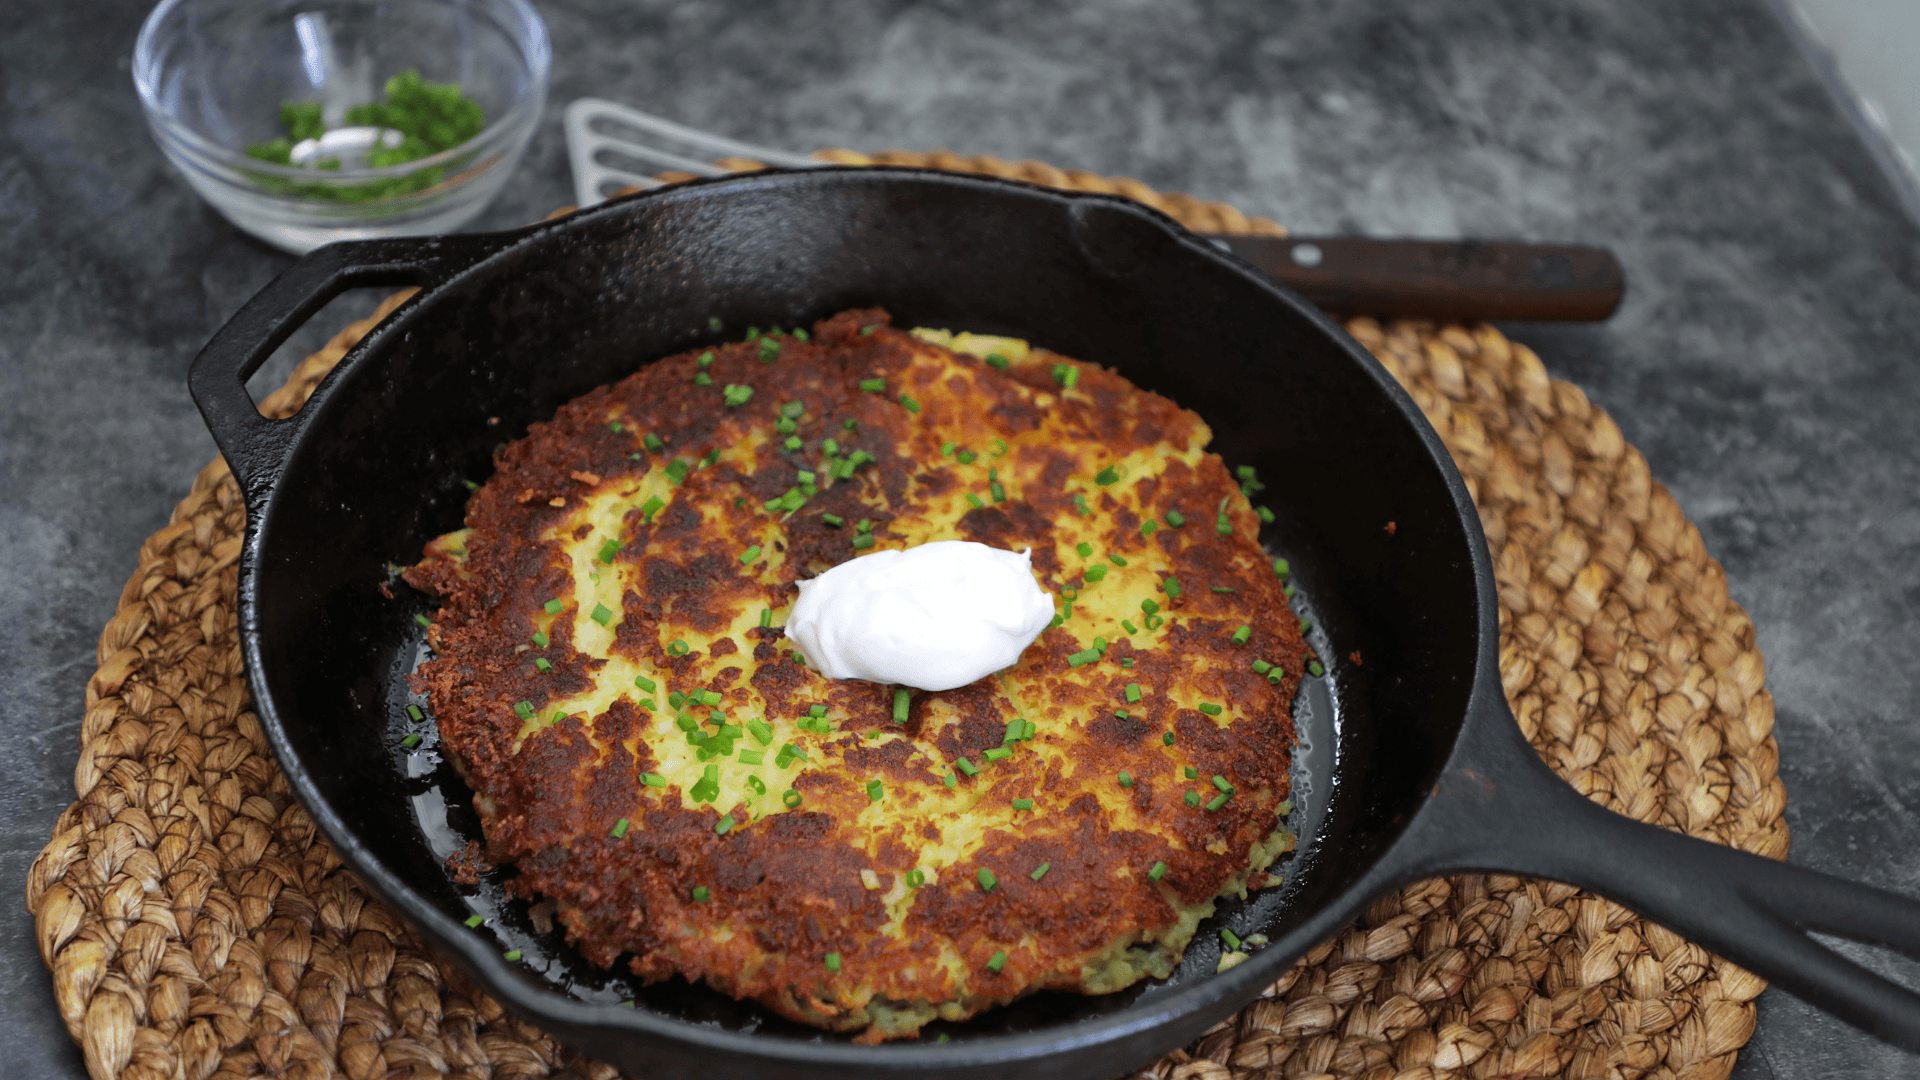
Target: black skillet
(1416, 768)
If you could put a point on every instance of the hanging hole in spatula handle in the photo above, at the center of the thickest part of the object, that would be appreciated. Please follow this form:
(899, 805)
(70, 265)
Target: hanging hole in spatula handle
(256, 446)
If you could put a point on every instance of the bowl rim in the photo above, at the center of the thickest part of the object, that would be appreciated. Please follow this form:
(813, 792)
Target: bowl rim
(537, 50)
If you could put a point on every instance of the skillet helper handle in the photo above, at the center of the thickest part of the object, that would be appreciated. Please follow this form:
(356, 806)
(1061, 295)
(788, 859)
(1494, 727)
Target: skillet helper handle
(1467, 280)
(256, 446)
(1509, 813)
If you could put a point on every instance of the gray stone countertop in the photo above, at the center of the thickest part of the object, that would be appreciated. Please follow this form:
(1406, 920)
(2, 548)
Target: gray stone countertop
(1765, 358)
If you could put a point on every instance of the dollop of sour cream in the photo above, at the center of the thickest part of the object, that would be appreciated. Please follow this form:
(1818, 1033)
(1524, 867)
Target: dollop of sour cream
(935, 616)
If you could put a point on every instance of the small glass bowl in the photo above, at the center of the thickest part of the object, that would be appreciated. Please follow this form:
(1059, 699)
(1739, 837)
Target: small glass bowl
(212, 75)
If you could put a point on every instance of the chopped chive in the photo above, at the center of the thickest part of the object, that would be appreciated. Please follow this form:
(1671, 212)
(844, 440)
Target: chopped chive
(608, 550)
(653, 779)
(791, 798)
(678, 647)
(950, 781)
(752, 553)
(1159, 871)
(1241, 635)
(1116, 560)
(1289, 590)
(850, 424)
(620, 828)
(1282, 567)
(1260, 667)
(1221, 783)
(1015, 729)
(1149, 606)
(1223, 524)
(1232, 939)
(410, 741)
(414, 712)
(540, 639)
(714, 323)
(965, 457)
(1176, 519)
(700, 894)
(751, 757)
(986, 879)
(1126, 779)
(1314, 669)
(651, 507)
(736, 395)
(1223, 589)
(705, 359)
(975, 500)
(523, 710)
(1065, 374)
(1306, 625)
(1083, 658)
(677, 469)
(652, 442)
(785, 426)
(1085, 549)
(1210, 708)
(799, 333)
(1166, 738)
(834, 520)
(709, 698)
(793, 442)
(1107, 476)
(769, 350)
(1095, 573)
(1133, 692)
(471, 486)
(1217, 801)
(862, 541)
(816, 711)
(996, 753)
(676, 699)
(1172, 585)
(423, 620)
(873, 386)
(999, 959)
(875, 791)
(1192, 773)
(1131, 629)
(475, 920)
(866, 331)
(902, 700)
(1192, 798)
(1126, 662)
(1147, 527)
(833, 958)
(1023, 804)
(761, 732)
(601, 614)
(911, 405)
(701, 378)
(753, 333)
(995, 360)
(1264, 514)
(1080, 506)
(541, 663)
(999, 492)
(916, 878)
(723, 826)
(511, 955)
(966, 766)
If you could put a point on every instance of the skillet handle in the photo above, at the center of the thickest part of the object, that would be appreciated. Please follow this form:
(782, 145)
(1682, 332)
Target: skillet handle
(1499, 808)
(256, 446)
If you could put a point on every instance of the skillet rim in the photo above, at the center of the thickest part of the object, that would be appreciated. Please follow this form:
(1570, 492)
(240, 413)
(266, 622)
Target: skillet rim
(1203, 999)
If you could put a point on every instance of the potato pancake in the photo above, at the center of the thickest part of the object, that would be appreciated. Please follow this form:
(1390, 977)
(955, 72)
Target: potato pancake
(650, 752)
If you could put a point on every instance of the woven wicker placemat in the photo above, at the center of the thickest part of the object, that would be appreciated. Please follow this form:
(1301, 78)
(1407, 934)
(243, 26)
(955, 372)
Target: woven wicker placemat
(197, 924)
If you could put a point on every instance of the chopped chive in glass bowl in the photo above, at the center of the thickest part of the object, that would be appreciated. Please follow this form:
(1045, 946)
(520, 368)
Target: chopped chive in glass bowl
(309, 121)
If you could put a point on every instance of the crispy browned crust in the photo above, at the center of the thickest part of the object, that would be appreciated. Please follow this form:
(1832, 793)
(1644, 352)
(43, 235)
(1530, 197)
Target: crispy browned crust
(786, 888)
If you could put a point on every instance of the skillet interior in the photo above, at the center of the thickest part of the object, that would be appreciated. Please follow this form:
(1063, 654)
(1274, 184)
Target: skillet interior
(421, 404)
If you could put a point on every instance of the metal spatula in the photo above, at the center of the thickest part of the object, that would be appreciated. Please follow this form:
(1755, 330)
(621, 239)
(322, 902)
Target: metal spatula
(613, 147)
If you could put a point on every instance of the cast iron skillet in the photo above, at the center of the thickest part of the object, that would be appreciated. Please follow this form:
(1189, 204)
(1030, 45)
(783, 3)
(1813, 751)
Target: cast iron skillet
(1417, 767)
